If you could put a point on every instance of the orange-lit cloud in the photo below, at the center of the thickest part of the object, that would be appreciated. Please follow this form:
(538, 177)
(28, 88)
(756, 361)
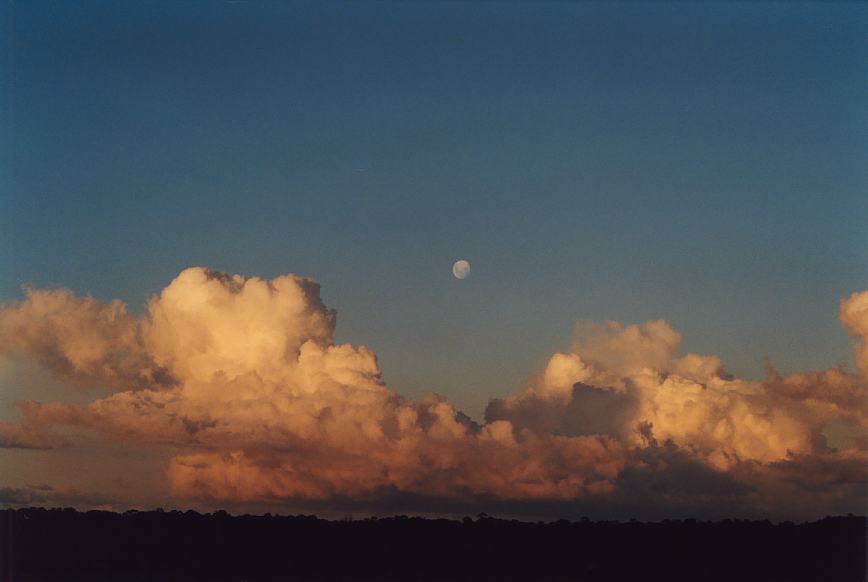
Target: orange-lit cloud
(619, 377)
(28, 435)
(242, 374)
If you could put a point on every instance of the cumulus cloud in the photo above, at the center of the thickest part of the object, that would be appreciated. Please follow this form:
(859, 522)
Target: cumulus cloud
(618, 378)
(273, 409)
(854, 317)
(79, 338)
(243, 376)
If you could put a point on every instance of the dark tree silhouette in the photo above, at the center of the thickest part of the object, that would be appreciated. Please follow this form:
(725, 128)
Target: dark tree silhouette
(64, 544)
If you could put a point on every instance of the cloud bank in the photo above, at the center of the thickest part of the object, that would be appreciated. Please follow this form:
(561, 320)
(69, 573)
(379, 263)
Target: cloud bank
(242, 375)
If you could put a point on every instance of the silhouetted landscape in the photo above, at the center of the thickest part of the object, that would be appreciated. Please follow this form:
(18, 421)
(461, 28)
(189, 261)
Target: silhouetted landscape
(65, 544)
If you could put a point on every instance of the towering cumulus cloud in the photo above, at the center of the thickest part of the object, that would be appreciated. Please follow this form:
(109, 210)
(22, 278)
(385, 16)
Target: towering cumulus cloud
(242, 376)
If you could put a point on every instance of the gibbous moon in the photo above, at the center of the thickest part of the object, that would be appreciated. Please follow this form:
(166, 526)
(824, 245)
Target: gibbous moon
(461, 269)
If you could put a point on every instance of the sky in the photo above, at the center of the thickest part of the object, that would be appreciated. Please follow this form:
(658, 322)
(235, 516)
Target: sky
(701, 164)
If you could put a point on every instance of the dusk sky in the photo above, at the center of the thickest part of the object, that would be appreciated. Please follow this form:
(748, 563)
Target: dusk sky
(695, 171)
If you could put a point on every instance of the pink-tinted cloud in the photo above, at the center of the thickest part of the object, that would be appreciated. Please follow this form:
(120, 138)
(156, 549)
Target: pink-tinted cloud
(79, 338)
(242, 375)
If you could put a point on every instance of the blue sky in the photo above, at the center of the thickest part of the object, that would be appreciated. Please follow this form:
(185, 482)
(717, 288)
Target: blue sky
(702, 163)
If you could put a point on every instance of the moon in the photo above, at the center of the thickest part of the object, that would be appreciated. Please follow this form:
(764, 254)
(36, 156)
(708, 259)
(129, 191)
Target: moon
(461, 269)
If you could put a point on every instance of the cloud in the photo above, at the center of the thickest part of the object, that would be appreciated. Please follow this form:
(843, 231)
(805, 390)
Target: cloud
(275, 410)
(81, 339)
(21, 496)
(28, 435)
(48, 495)
(243, 377)
(854, 317)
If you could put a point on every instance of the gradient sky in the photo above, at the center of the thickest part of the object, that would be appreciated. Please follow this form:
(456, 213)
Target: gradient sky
(699, 163)
(703, 163)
